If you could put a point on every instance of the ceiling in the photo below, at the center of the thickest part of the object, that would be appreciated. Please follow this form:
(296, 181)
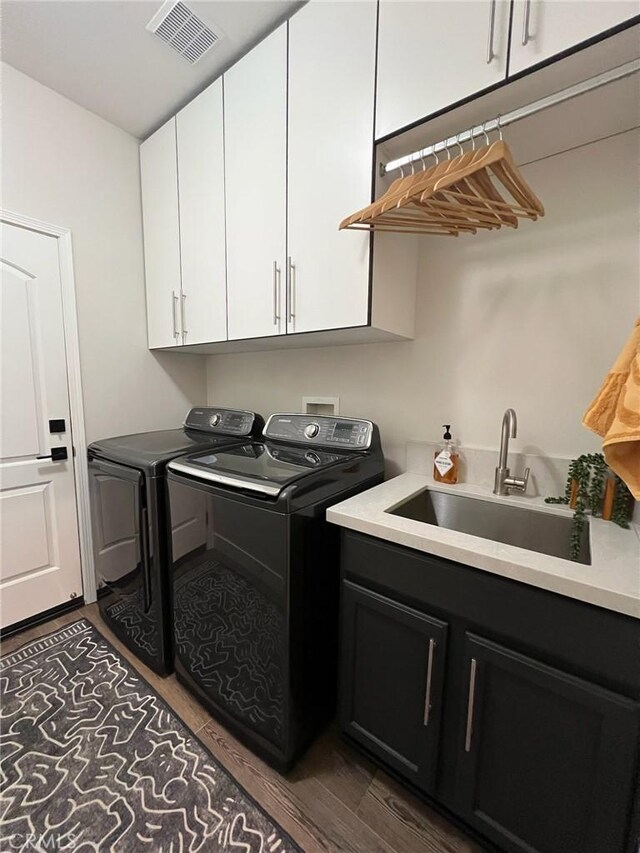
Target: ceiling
(99, 54)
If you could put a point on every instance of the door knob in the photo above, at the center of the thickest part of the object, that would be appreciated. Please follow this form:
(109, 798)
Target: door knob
(58, 454)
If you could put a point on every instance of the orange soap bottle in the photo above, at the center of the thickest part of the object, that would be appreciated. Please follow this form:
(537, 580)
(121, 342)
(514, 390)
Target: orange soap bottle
(445, 463)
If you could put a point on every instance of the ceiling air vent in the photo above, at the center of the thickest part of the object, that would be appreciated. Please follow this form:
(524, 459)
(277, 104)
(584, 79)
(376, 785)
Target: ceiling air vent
(183, 30)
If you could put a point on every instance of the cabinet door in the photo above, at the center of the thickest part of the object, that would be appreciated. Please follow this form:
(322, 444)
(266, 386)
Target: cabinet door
(543, 28)
(431, 55)
(159, 178)
(202, 226)
(330, 162)
(547, 760)
(255, 149)
(392, 667)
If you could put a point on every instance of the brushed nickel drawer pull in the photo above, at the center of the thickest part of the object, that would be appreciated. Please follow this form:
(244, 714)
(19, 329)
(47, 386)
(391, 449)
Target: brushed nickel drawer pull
(525, 22)
(292, 285)
(276, 292)
(427, 694)
(174, 301)
(472, 696)
(492, 26)
(183, 299)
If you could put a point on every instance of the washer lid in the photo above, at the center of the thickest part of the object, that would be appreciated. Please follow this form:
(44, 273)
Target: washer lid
(266, 468)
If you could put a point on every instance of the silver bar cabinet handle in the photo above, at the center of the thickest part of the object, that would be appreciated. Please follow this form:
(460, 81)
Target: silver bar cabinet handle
(292, 286)
(276, 293)
(183, 299)
(174, 301)
(525, 22)
(427, 693)
(492, 27)
(472, 696)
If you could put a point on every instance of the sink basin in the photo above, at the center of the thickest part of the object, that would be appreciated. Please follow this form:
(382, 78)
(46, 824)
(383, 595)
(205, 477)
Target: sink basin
(538, 531)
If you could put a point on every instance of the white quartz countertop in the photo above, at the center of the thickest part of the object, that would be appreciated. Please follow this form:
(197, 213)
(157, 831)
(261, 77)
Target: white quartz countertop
(611, 581)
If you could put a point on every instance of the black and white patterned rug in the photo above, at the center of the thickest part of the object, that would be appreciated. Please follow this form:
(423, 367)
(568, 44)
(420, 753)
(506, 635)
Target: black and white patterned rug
(91, 759)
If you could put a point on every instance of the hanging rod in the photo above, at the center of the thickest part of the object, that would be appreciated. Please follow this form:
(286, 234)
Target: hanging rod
(516, 115)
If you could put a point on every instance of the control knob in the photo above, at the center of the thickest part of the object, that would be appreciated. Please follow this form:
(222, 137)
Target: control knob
(311, 430)
(214, 420)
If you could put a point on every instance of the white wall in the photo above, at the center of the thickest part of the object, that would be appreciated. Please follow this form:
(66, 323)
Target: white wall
(531, 318)
(67, 166)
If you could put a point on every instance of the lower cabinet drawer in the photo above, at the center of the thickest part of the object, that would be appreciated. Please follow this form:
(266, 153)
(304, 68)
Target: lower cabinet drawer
(392, 675)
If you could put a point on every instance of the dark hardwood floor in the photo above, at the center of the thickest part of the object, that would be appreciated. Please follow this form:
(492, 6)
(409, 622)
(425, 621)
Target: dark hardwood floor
(333, 800)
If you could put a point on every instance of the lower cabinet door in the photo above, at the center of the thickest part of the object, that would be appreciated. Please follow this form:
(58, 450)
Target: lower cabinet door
(547, 760)
(392, 667)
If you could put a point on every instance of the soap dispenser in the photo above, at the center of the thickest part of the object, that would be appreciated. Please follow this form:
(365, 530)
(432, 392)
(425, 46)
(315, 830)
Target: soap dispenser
(445, 464)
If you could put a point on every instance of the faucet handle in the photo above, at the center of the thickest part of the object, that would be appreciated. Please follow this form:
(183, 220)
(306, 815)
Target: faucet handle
(518, 483)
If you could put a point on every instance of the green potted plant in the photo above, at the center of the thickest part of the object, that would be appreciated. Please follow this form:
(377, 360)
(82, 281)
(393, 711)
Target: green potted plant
(588, 481)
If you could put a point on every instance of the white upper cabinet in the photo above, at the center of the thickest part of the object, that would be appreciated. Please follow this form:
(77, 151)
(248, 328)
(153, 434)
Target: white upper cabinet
(331, 100)
(544, 28)
(256, 152)
(159, 176)
(203, 301)
(243, 191)
(433, 54)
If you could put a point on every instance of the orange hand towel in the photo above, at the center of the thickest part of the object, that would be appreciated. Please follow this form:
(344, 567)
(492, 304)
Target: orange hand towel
(615, 414)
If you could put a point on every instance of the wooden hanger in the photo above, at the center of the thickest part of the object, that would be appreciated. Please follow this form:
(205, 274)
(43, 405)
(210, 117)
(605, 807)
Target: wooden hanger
(360, 215)
(412, 187)
(498, 158)
(400, 187)
(438, 211)
(469, 208)
(459, 195)
(404, 188)
(475, 200)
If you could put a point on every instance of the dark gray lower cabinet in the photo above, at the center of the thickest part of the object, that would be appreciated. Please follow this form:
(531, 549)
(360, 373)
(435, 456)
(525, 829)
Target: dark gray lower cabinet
(532, 735)
(392, 675)
(546, 763)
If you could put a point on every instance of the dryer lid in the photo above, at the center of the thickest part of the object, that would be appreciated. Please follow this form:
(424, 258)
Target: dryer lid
(146, 449)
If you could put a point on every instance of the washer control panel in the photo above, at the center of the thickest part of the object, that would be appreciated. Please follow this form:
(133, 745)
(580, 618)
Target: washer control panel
(347, 433)
(222, 421)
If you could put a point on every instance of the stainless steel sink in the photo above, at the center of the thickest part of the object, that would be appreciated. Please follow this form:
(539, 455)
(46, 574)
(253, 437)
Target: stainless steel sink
(526, 528)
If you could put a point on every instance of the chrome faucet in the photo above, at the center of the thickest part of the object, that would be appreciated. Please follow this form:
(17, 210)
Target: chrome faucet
(503, 481)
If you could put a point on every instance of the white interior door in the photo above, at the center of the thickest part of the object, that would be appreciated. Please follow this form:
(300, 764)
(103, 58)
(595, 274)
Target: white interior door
(39, 545)
(255, 128)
